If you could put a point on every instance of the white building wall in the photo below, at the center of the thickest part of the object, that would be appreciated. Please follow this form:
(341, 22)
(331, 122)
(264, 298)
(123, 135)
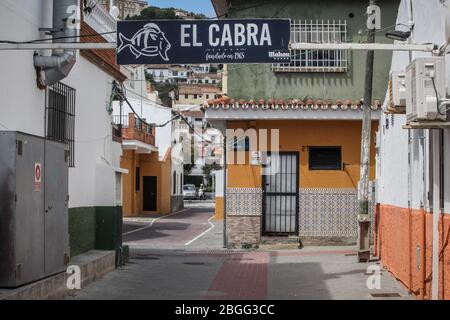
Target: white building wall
(218, 181)
(399, 183)
(23, 103)
(92, 181)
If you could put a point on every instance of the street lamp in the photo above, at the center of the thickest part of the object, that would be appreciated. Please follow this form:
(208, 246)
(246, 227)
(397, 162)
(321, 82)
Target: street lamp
(398, 35)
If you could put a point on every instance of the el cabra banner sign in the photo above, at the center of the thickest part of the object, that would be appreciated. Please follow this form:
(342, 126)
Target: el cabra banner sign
(203, 41)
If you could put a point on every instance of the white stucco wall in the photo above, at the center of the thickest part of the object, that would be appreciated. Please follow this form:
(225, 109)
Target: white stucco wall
(22, 106)
(398, 182)
(92, 180)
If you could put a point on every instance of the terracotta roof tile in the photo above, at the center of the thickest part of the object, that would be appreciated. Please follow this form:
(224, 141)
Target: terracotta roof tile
(226, 103)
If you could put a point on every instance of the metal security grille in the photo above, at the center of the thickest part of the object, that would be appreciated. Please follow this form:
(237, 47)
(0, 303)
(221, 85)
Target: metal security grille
(319, 31)
(280, 194)
(60, 117)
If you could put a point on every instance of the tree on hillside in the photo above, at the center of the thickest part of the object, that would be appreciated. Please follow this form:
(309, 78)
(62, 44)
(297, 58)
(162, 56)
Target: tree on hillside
(156, 13)
(208, 169)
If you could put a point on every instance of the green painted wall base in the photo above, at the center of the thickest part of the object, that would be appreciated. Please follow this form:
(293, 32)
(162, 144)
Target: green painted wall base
(81, 230)
(95, 228)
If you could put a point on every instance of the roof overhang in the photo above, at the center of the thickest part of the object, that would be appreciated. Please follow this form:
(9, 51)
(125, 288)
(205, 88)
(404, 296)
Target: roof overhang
(289, 114)
(138, 146)
(221, 7)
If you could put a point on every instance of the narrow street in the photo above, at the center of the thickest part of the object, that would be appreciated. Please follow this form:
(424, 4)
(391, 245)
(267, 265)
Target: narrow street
(168, 260)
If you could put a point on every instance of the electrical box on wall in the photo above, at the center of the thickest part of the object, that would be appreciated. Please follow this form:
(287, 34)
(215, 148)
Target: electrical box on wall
(425, 84)
(34, 235)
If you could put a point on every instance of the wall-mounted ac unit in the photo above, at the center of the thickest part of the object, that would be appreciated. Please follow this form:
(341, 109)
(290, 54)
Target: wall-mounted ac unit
(425, 83)
(397, 93)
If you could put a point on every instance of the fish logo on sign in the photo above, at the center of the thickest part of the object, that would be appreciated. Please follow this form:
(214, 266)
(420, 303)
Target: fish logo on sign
(149, 41)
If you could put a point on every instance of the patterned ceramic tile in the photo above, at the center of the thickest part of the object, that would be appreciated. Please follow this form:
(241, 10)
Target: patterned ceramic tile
(244, 201)
(322, 212)
(330, 213)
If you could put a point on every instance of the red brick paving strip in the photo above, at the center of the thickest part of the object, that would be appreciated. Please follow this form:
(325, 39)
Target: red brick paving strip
(241, 277)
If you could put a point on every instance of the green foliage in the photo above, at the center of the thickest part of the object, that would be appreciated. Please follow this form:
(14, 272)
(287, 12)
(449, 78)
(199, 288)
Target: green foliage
(213, 69)
(188, 166)
(149, 77)
(164, 90)
(156, 13)
(208, 169)
(246, 245)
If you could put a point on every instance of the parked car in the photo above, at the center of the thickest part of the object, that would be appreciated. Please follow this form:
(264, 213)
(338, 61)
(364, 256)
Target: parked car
(189, 192)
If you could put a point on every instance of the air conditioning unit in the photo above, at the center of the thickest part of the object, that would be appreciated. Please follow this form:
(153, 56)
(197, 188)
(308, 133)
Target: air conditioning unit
(425, 83)
(397, 93)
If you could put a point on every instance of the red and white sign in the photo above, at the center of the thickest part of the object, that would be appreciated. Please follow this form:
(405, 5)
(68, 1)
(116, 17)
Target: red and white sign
(37, 176)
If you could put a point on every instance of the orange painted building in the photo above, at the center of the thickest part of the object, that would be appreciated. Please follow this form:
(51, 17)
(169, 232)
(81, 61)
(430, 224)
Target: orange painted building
(147, 185)
(305, 187)
(312, 195)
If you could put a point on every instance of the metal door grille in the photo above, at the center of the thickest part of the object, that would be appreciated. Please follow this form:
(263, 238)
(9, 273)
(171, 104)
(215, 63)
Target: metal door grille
(60, 117)
(280, 194)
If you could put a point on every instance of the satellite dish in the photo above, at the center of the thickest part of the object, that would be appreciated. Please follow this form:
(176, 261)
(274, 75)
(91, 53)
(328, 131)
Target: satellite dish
(114, 12)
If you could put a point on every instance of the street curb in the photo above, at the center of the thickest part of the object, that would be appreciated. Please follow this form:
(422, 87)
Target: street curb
(93, 265)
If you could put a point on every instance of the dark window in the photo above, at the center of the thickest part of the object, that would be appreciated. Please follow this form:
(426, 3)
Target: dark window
(186, 96)
(325, 158)
(241, 144)
(195, 96)
(174, 187)
(207, 96)
(60, 117)
(181, 183)
(138, 179)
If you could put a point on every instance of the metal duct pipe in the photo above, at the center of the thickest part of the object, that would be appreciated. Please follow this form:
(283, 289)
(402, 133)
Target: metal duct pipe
(58, 66)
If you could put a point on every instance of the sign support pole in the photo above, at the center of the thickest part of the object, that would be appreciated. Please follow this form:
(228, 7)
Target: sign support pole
(363, 190)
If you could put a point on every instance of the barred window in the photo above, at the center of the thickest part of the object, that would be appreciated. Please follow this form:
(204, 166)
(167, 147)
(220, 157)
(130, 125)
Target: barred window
(319, 31)
(60, 117)
(325, 158)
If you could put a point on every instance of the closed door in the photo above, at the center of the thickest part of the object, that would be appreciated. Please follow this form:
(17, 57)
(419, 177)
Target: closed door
(280, 194)
(56, 208)
(149, 193)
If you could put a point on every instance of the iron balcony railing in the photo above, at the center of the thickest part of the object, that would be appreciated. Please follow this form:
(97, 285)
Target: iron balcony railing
(132, 128)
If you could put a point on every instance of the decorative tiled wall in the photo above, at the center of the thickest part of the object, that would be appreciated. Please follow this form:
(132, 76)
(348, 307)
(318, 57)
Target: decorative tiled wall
(322, 212)
(244, 201)
(330, 213)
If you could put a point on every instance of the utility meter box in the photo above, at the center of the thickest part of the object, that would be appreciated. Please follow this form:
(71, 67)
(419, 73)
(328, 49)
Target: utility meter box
(425, 83)
(34, 237)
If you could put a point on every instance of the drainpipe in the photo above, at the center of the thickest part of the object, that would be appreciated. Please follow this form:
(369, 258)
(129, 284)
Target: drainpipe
(225, 241)
(56, 67)
(436, 212)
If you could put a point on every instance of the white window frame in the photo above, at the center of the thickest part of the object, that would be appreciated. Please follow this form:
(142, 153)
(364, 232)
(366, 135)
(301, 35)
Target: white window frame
(319, 31)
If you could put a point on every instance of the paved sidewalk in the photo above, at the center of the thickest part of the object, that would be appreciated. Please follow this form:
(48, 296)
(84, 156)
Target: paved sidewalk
(181, 256)
(313, 273)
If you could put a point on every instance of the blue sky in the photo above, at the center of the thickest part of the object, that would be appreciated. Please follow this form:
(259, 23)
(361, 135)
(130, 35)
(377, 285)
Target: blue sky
(197, 6)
